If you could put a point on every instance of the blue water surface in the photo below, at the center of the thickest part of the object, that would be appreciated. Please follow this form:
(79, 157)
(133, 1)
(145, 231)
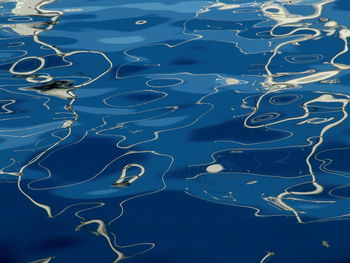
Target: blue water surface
(174, 131)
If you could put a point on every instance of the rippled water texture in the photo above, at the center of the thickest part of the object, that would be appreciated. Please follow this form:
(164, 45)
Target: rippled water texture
(174, 131)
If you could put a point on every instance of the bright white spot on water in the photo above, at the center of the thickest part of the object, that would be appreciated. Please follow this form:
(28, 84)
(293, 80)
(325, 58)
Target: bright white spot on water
(330, 24)
(141, 22)
(215, 168)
